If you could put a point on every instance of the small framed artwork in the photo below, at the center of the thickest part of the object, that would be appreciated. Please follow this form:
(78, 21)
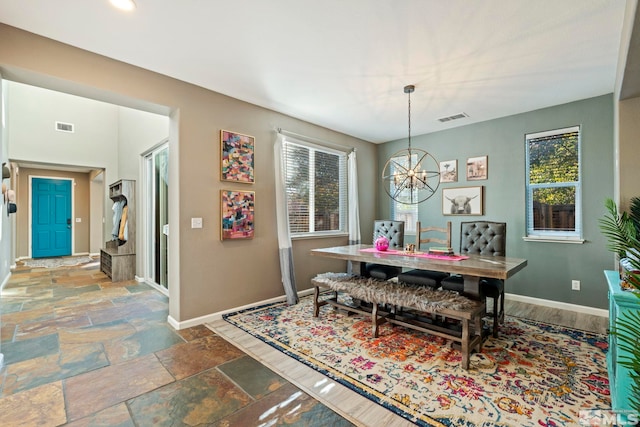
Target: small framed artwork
(477, 168)
(237, 157)
(237, 214)
(449, 171)
(463, 201)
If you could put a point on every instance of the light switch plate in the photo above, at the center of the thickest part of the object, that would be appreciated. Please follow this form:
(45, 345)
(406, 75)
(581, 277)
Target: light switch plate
(196, 222)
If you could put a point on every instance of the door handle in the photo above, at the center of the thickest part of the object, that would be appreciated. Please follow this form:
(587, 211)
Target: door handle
(68, 222)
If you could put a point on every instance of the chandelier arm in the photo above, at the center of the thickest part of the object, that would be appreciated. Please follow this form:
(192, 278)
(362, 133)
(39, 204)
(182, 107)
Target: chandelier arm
(423, 157)
(397, 193)
(389, 176)
(423, 181)
(433, 190)
(400, 166)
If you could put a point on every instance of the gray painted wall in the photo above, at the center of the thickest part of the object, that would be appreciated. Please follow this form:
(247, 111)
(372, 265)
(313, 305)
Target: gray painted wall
(551, 266)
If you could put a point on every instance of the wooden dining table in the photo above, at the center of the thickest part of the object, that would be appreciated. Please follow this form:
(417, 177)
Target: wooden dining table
(471, 267)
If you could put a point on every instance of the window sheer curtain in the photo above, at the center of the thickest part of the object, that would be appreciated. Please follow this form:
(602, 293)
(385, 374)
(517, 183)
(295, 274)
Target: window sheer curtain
(354, 209)
(282, 221)
(282, 216)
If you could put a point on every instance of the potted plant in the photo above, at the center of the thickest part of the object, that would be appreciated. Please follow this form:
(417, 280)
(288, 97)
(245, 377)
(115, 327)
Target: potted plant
(622, 230)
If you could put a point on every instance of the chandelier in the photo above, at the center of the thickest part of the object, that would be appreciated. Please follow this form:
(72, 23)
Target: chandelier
(411, 175)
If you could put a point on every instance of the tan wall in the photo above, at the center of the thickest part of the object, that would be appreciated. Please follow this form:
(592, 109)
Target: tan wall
(81, 209)
(629, 150)
(205, 274)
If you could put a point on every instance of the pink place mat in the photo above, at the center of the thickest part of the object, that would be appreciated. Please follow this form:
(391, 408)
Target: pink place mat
(421, 255)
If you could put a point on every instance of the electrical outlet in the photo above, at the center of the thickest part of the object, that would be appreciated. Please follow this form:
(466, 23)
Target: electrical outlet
(575, 285)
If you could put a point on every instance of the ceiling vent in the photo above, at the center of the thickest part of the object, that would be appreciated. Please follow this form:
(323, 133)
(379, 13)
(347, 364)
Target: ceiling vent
(454, 117)
(64, 127)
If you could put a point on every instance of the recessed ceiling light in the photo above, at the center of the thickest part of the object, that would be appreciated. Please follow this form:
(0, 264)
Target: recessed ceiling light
(124, 4)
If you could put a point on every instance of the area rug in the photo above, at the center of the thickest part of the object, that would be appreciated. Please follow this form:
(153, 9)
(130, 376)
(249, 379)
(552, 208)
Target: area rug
(534, 374)
(56, 262)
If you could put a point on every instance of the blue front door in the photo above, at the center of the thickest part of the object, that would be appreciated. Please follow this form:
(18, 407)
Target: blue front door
(51, 217)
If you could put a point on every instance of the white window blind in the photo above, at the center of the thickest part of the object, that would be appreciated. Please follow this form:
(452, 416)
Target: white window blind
(316, 182)
(553, 183)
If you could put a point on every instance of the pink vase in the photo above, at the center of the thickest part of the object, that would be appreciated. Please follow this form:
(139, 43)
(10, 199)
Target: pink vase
(382, 243)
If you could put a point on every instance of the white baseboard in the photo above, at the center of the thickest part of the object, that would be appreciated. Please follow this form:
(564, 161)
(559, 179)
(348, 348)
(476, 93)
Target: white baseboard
(557, 304)
(513, 297)
(1, 361)
(216, 316)
(4, 282)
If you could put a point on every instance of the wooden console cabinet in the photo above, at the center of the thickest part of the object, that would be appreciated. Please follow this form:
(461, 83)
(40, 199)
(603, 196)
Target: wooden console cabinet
(118, 258)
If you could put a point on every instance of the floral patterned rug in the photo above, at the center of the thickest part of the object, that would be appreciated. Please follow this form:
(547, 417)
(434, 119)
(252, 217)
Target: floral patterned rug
(535, 374)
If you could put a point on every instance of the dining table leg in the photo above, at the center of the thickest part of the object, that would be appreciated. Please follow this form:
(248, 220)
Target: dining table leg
(357, 268)
(471, 286)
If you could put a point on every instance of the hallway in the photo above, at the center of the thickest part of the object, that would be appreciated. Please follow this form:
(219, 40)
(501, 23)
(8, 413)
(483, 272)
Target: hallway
(80, 350)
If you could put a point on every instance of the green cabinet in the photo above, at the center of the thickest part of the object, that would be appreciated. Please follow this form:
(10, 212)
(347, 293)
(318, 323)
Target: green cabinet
(620, 302)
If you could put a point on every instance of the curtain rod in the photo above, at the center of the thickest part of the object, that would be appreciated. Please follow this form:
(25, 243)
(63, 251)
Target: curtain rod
(316, 140)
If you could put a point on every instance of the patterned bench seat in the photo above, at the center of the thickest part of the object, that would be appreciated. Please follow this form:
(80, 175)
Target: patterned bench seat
(402, 296)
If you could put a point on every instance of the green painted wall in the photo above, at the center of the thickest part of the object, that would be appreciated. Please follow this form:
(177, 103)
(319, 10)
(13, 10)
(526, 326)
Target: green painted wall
(551, 266)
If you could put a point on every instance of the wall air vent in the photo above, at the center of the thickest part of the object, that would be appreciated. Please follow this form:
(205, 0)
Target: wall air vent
(454, 117)
(64, 127)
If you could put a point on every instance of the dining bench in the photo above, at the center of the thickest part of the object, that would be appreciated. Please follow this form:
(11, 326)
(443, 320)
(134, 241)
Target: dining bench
(406, 305)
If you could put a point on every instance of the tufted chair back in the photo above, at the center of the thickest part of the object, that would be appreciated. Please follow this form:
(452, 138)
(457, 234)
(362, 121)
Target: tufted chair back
(483, 238)
(392, 230)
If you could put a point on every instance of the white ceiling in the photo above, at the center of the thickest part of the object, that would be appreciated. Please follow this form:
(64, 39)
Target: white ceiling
(342, 64)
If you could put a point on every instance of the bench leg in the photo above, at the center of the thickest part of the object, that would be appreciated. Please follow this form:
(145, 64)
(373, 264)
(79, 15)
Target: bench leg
(316, 307)
(465, 344)
(374, 320)
(478, 330)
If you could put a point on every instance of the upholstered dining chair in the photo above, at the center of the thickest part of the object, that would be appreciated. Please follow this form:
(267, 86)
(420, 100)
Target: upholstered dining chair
(424, 235)
(483, 238)
(394, 231)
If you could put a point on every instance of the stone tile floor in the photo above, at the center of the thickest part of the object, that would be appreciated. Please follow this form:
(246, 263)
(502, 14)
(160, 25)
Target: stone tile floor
(80, 350)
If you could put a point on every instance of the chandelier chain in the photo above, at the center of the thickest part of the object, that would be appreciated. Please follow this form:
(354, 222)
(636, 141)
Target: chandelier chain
(409, 122)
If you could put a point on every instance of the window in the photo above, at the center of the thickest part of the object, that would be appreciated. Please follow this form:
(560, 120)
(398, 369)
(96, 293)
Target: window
(316, 181)
(406, 212)
(553, 184)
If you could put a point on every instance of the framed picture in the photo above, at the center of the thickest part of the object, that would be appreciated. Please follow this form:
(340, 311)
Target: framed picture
(477, 168)
(449, 171)
(463, 201)
(237, 214)
(236, 157)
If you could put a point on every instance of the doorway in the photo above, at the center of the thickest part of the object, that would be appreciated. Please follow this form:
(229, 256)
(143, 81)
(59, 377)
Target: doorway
(51, 225)
(156, 191)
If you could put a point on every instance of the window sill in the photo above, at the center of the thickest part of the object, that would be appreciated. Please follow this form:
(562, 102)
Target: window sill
(551, 239)
(319, 236)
